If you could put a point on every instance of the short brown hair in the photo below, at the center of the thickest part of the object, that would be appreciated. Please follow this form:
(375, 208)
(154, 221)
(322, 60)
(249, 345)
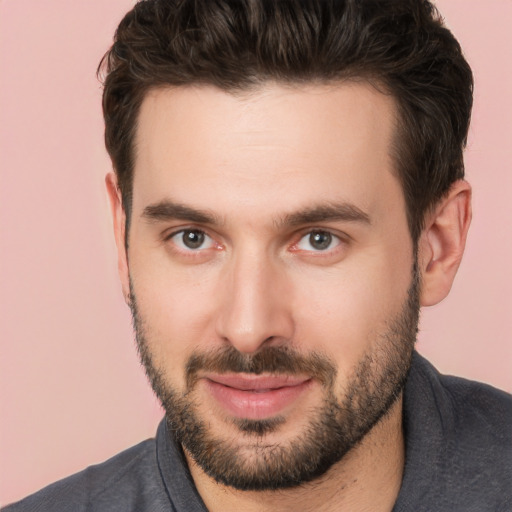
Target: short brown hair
(400, 45)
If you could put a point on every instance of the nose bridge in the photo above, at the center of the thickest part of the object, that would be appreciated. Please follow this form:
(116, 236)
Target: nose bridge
(254, 309)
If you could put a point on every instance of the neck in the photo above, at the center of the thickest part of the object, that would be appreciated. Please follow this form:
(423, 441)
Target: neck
(368, 478)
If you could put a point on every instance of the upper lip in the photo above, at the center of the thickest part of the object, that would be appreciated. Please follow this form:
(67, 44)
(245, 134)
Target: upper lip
(249, 382)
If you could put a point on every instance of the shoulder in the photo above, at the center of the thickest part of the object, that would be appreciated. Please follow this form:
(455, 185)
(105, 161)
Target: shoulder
(127, 479)
(482, 407)
(467, 408)
(458, 443)
(479, 433)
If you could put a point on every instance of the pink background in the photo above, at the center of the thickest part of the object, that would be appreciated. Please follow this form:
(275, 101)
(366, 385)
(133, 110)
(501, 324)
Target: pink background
(72, 391)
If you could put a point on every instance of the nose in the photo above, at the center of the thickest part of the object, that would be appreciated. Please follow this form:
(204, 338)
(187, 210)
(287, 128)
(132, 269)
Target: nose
(255, 308)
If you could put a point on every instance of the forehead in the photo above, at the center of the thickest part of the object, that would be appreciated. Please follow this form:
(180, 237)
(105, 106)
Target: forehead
(272, 147)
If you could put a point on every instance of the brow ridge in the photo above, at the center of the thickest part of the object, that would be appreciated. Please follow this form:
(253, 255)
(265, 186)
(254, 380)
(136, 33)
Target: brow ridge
(168, 210)
(329, 212)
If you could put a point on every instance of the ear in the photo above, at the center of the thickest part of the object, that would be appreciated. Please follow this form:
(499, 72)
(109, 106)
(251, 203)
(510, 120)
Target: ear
(119, 219)
(441, 244)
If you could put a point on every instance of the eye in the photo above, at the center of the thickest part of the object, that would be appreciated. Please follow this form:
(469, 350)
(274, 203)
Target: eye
(191, 240)
(318, 241)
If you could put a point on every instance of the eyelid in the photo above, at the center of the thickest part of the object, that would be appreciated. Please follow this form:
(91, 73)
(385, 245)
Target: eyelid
(180, 247)
(342, 239)
(173, 231)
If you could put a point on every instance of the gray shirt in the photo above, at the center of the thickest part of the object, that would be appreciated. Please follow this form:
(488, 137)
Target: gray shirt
(458, 458)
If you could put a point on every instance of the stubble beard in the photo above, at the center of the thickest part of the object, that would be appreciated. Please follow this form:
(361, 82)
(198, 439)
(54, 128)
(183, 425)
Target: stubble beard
(337, 425)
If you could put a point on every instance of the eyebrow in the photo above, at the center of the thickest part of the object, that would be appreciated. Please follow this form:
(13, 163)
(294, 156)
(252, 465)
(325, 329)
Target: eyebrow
(167, 210)
(323, 213)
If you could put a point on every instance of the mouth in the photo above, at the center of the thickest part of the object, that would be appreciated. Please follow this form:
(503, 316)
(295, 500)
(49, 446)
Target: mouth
(256, 397)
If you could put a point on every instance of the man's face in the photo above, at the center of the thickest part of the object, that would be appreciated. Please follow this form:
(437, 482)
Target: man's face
(271, 273)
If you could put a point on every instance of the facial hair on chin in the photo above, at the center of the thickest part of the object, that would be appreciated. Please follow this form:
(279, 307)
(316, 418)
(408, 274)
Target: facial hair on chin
(336, 425)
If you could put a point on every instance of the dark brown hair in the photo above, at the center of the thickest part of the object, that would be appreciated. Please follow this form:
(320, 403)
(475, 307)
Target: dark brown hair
(400, 46)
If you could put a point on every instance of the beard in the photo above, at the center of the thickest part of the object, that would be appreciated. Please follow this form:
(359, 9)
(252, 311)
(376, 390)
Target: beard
(335, 426)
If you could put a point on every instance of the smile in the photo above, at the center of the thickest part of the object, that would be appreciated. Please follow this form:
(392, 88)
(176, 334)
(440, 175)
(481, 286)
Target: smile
(255, 397)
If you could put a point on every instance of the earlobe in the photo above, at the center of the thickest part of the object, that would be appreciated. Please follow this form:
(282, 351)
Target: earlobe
(442, 243)
(119, 221)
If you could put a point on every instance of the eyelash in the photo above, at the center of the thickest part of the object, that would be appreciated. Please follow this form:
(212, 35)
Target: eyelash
(188, 250)
(331, 239)
(339, 240)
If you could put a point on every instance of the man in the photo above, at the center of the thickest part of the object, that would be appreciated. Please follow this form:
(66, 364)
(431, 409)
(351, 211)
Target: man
(288, 191)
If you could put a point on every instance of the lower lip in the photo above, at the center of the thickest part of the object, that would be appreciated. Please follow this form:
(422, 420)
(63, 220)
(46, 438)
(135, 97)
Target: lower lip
(255, 405)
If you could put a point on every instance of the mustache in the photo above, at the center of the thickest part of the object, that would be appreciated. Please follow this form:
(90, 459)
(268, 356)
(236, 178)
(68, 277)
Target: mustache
(274, 360)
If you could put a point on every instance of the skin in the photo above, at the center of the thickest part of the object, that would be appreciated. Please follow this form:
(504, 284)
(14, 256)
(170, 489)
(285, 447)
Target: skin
(255, 162)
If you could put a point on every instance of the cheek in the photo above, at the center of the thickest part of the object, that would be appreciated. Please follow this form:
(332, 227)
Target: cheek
(176, 308)
(343, 313)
